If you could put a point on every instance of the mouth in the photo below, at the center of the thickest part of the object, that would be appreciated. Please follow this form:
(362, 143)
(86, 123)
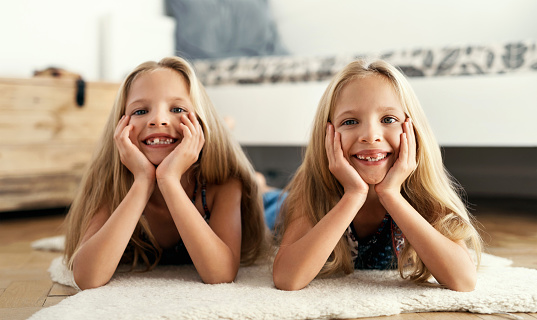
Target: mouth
(159, 141)
(372, 157)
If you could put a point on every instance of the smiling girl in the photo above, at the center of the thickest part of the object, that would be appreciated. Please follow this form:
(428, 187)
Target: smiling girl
(167, 185)
(372, 192)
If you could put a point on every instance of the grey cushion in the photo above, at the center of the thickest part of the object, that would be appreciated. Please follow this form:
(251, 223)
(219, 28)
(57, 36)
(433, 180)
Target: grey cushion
(208, 29)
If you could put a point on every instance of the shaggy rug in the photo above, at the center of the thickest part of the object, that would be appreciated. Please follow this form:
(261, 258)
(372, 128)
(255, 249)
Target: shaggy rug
(176, 292)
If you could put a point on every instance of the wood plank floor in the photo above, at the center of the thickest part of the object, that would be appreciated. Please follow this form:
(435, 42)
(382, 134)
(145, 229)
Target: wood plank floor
(508, 229)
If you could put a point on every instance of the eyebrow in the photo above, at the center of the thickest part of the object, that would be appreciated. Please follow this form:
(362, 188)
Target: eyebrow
(388, 108)
(382, 109)
(142, 100)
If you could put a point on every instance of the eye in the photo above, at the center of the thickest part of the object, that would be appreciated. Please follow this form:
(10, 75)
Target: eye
(349, 122)
(388, 120)
(139, 112)
(177, 110)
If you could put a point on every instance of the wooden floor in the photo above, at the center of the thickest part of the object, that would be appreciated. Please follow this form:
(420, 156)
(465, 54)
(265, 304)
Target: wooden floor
(509, 230)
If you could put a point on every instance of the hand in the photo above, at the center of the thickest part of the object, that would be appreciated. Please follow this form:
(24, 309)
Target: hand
(405, 163)
(130, 155)
(339, 166)
(186, 153)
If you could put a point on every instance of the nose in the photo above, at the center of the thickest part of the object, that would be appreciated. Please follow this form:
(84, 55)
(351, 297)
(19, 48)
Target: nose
(160, 118)
(370, 133)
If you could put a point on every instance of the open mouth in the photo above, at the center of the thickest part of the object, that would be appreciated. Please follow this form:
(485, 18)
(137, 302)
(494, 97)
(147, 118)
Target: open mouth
(159, 141)
(373, 158)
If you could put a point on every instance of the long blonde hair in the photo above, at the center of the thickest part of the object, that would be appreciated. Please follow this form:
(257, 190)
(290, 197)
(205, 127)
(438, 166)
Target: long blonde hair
(430, 189)
(107, 180)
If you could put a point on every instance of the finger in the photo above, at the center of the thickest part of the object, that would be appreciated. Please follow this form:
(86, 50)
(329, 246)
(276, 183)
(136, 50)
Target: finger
(198, 129)
(185, 130)
(123, 139)
(329, 142)
(119, 127)
(338, 152)
(403, 149)
(189, 121)
(412, 140)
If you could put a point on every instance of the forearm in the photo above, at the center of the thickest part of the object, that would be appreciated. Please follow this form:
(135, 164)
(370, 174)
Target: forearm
(448, 261)
(98, 257)
(298, 263)
(213, 258)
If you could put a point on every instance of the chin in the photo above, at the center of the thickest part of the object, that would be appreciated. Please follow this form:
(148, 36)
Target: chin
(155, 160)
(372, 179)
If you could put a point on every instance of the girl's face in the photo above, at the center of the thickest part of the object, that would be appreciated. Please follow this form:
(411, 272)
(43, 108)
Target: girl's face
(155, 102)
(369, 117)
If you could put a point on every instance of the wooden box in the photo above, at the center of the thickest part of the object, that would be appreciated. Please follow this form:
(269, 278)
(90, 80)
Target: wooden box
(47, 139)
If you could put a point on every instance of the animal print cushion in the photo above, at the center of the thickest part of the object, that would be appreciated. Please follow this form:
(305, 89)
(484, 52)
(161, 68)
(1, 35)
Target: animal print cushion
(421, 62)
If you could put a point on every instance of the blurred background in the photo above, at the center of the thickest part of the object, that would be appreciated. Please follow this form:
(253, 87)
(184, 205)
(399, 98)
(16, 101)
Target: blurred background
(265, 64)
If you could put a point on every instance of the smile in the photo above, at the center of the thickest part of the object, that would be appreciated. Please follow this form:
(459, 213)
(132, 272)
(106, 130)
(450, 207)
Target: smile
(159, 141)
(379, 157)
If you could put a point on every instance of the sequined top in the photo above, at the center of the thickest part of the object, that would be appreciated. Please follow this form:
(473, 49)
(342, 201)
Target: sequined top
(378, 250)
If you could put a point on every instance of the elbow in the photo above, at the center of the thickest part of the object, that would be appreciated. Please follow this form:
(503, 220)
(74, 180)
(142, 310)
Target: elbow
(463, 283)
(216, 280)
(286, 285)
(284, 281)
(84, 282)
(463, 286)
(225, 277)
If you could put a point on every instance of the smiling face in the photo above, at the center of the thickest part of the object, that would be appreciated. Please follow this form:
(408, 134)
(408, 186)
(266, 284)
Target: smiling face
(369, 117)
(155, 102)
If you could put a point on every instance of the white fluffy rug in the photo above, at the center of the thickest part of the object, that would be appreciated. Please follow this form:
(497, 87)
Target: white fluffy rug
(176, 292)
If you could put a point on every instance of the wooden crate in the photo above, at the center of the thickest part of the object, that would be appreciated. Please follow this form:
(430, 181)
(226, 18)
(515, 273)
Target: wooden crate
(47, 139)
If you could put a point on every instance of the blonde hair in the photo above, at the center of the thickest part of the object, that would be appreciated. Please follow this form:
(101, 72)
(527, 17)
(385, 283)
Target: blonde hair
(430, 189)
(107, 180)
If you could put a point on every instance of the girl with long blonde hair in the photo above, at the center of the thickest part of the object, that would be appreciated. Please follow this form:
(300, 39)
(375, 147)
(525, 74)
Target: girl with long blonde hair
(372, 192)
(167, 184)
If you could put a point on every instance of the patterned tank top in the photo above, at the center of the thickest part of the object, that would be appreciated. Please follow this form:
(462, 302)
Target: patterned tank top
(379, 250)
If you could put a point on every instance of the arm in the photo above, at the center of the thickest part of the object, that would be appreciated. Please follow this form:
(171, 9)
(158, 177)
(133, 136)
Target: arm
(449, 262)
(305, 248)
(215, 248)
(107, 236)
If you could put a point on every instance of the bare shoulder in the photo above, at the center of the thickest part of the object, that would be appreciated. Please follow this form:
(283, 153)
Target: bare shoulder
(229, 187)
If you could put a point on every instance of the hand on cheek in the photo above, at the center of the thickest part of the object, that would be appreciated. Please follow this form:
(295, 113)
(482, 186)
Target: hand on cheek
(405, 163)
(340, 166)
(130, 155)
(188, 150)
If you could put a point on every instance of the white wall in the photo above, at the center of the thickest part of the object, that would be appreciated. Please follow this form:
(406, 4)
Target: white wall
(36, 34)
(318, 27)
